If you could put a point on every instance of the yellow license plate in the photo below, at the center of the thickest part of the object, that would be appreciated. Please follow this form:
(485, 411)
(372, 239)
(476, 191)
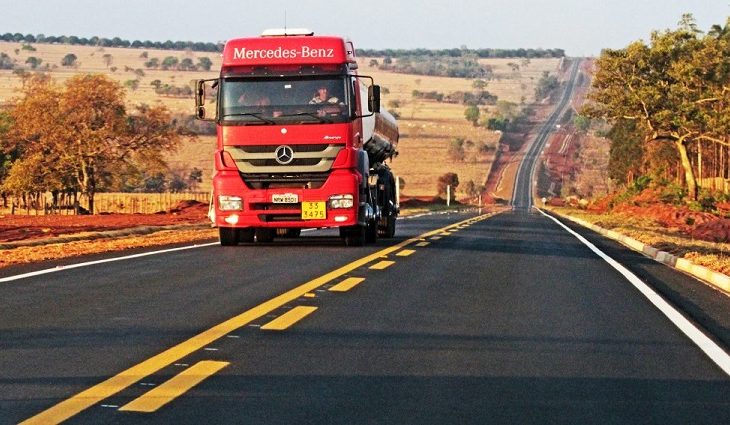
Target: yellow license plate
(314, 210)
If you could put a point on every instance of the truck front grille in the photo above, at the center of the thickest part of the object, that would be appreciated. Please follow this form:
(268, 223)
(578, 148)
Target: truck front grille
(261, 159)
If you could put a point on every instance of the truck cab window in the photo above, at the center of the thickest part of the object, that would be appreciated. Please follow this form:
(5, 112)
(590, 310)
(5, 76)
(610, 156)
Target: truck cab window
(256, 101)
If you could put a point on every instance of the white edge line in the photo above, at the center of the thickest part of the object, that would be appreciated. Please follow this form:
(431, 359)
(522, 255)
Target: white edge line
(110, 260)
(708, 346)
(106, 260)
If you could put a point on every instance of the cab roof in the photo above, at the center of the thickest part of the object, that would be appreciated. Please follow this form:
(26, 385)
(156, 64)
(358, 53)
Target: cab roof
(289, 48)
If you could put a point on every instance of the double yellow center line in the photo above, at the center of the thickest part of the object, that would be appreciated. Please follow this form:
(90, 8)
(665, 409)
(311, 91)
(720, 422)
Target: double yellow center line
(91, 396)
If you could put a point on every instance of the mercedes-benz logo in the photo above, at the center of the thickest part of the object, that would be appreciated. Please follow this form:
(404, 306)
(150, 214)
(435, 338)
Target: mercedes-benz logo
(284, 154)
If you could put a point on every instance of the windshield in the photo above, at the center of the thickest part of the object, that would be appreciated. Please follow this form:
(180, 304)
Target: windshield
(284, 101)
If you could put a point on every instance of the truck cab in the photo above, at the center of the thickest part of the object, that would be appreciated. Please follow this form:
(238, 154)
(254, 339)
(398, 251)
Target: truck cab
(292, 116)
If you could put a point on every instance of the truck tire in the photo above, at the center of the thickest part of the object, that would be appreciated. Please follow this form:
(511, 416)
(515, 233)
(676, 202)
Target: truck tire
(353, 236)
(388, 229)
(265, 235)
(228, 236)
(371, 232)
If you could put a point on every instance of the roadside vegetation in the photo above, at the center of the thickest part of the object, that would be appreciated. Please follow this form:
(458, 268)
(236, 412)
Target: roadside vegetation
(79, 138)
(668, 104)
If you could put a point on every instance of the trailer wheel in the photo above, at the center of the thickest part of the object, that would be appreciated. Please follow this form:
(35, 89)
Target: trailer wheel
(265, 235)
(353, 236)
(228, 236)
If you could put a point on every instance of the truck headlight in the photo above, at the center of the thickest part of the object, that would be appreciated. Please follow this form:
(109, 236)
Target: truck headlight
(230, 203)
(341, 201)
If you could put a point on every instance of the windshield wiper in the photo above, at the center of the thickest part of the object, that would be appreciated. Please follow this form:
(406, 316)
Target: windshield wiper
(309, 114)
(250, 114)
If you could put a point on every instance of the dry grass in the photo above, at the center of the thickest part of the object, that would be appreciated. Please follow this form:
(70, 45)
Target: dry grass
(715, 256)
(31, 254)
(423, 154)
(91, 60)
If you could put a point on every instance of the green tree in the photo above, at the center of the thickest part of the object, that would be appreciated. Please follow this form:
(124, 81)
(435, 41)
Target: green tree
(626, 157)
(546, 85)
(675, 87)
(205, 63)
(195, 178)
(471, 113)
(177, 183)
(456, 149)
(69, 60)
(34, 62)
(170, 62)
(186, 65)
(132, 84)
(479, 84)
(153, 63)
(155, 183)
(581, 123)
(507, 110)
(6, 62)
(448, 179)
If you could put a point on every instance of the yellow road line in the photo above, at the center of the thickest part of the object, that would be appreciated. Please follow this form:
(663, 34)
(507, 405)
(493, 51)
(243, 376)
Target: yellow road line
(347, 284)
(405, 253)
(382, 265)
(289, 318)
(175, 387)
(422, 244)
(91, 396)
(435, 238)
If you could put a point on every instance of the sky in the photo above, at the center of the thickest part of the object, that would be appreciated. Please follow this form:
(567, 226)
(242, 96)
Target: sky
(580, 27)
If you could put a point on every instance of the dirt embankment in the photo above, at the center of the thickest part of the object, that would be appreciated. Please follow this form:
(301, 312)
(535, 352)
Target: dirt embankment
(64, 236)
(25, 227)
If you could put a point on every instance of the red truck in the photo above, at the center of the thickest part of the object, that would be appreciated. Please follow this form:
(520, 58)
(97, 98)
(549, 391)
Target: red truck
(301, 141)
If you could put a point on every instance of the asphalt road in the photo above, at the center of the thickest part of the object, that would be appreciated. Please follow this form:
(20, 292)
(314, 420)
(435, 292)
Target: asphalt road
(522, 193)
(509, 319)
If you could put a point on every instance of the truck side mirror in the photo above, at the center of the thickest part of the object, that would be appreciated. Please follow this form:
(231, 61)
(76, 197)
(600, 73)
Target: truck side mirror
(199, 92)
(374, 98)
(200, 89)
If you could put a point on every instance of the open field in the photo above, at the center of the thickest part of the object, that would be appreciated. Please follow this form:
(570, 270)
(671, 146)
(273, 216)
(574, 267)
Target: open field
(427, 127)
(126, 60)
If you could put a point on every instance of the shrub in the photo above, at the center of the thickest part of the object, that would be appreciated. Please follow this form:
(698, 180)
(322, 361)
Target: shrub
(448, 179)
(456, 149)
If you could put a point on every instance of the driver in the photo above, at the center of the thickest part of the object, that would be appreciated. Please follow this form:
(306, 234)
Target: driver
(322, 96)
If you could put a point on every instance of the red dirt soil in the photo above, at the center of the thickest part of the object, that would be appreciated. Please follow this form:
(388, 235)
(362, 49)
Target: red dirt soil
(700, 225)
(24, 227)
